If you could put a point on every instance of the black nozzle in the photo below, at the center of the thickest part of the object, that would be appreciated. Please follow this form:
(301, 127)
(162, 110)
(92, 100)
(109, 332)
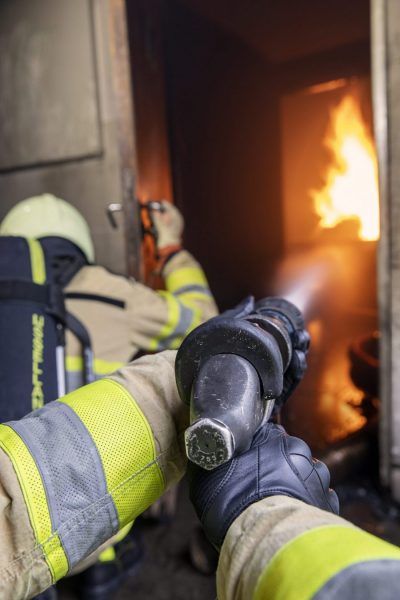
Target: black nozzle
(291, 318)
(225, 407)
(232, 371)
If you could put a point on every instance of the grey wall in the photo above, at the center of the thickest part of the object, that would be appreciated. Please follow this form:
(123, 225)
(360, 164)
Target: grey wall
(58, 130)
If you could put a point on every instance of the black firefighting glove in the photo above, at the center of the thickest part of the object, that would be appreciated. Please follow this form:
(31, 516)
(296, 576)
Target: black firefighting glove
(300, 340)
(299, 336)
(275, 464)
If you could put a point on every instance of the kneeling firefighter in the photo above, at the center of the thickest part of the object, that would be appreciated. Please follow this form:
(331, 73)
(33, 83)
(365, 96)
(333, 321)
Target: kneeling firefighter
(66, 321)
(79, 469)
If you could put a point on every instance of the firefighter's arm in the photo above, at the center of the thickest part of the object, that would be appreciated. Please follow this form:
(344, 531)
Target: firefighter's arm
(75, 472)
(274, 519)
(281, 548)
(186, 283)
(187, 289)
(161, 320)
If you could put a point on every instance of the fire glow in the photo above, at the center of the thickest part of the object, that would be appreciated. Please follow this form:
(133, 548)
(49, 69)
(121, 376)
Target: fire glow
(351, 181)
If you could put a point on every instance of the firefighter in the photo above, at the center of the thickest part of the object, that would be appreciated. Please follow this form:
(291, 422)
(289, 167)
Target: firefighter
(79, 469)
(136, 319)
(122, 317)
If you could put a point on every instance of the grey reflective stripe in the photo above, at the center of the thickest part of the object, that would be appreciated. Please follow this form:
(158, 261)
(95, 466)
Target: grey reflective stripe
(73, 477)
(185, 320)
(75, 380)
(364, 581)
(193, 288)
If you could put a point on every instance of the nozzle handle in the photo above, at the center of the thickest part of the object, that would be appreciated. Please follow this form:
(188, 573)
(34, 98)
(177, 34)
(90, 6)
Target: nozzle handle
(226, 409)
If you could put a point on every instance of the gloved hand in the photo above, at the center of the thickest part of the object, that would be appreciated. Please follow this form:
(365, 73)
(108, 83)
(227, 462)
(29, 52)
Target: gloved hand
(300, 339)
(275, 464)
(293, 375)
(169, 226)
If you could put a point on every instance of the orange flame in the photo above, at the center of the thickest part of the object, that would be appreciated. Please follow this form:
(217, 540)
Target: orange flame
(351, 188)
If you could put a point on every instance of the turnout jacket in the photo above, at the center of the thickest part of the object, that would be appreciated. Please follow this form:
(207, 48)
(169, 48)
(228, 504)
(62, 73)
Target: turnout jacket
(78, 470)
(135, 318)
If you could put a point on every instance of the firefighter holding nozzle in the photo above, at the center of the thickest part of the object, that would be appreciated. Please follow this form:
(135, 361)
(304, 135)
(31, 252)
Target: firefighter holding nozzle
(79, 469)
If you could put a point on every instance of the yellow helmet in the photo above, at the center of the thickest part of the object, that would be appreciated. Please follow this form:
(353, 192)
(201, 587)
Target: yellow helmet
(47, 215)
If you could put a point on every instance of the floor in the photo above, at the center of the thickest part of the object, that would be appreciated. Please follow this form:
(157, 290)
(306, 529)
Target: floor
(366, 506)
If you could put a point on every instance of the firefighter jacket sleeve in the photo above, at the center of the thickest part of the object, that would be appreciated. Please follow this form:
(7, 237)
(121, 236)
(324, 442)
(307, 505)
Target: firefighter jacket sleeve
(161, 320)
(76, 471)
(283, 549)
(272, 511)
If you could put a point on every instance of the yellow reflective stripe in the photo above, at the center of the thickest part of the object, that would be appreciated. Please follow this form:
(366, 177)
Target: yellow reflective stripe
(34, 494)
(196, 320)
(105, 367)
(125, 443)
(191, 301)
(107, 555)
(74, 363)
(173, 314)
(174, 345)
(38, 266)
(187, 297)
(122, 533)
(101, 367)
(304, 565)
(186, 276)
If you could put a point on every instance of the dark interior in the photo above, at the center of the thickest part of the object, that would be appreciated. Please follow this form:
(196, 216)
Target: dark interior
(247, 95)
(227, 69)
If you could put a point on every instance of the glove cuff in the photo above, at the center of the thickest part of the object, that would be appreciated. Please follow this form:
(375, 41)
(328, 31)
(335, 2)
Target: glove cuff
(165, 254)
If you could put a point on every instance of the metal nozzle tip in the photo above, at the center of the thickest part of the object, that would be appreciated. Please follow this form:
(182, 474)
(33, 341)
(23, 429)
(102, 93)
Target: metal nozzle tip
(209, 443)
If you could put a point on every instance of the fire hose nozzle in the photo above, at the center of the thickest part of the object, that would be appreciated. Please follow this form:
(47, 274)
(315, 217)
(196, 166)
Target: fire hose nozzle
(225, 406)
(209, 443)
(231, 370)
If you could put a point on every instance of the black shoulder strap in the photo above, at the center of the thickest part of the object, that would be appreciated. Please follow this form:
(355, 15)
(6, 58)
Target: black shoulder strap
(80, 331)
(63, 259)
(50, 295)
(19, 289)
(68, 270)
(95, 298)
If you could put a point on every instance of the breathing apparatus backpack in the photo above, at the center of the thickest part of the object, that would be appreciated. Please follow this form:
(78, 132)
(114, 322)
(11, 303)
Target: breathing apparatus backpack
(33, 321)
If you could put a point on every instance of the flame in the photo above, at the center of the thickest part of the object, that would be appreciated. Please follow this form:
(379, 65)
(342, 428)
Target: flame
(351, 188)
